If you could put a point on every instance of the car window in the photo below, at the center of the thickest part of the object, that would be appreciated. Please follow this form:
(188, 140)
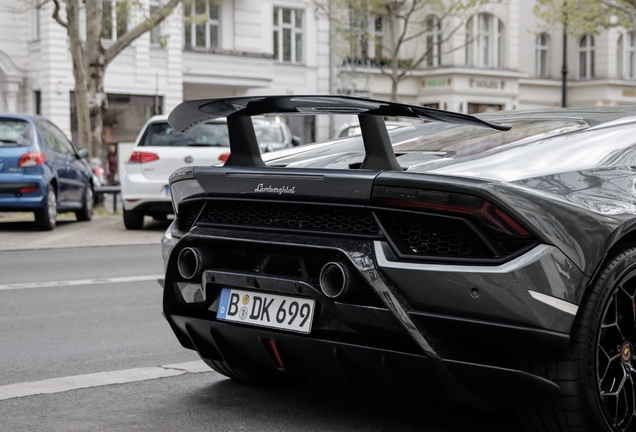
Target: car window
(468, 140)
(62, 141)
(15, 132)
(49, 136)
(161, 134)
(268, 132)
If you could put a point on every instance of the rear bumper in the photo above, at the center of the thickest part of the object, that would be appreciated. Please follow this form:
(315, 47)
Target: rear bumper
(12, 200)
(362, 368)
(421, 320)
(140, 193)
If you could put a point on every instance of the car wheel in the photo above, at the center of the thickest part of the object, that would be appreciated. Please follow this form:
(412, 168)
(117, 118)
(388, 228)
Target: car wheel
(133, 220)
(597, 375)
(46, 218)
(86, 213)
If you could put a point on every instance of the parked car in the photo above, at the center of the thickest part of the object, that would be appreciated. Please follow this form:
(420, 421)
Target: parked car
(160, 150)
(99, 179)
(99, 174)
(353, 129)
(488, 260)
(41, 171)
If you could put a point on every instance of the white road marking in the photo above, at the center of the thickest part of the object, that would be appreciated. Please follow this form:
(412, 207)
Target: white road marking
(64, 384)
(46, 284)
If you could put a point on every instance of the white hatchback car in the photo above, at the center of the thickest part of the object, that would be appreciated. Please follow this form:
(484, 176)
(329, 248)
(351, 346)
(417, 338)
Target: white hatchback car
(159, 150)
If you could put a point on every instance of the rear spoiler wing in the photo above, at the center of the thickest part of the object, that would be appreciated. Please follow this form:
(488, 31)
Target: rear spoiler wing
(244, 149)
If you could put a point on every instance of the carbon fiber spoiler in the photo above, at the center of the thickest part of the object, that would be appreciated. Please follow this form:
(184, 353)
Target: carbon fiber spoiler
(244, 149)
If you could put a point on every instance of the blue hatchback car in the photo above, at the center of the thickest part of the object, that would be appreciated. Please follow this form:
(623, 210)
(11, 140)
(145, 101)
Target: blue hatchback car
(41, 171)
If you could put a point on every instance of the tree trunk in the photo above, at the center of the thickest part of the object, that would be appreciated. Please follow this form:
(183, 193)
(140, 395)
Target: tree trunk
(394, 58)
(96, 66)
(97, 103)
(394, 90)
(90, 61)
(79, 74)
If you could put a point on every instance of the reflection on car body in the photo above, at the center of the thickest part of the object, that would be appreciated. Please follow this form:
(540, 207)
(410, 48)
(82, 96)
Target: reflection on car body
(486, 260)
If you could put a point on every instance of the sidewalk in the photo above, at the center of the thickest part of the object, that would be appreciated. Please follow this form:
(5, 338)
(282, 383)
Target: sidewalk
(18, 232)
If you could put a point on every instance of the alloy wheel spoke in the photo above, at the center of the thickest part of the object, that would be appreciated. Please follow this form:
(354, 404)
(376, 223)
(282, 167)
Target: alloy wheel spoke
(624, 312)
(616, 365)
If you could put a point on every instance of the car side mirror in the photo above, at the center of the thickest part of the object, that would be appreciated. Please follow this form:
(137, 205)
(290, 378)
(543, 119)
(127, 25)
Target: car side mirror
(296, 141)
(82, 152)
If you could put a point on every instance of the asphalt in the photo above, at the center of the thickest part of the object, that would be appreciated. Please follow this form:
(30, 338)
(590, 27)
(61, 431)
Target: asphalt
(18, 232)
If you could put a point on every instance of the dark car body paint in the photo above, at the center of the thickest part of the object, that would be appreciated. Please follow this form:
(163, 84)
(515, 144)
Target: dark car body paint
(576, 208)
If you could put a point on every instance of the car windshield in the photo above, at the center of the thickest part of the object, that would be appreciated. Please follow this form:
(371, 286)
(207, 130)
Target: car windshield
(268, 131)
(14, 133)
(161, 134)
(467, 140)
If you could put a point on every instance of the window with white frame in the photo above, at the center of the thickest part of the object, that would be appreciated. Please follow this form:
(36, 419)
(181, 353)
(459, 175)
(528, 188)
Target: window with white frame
(433, 41)
(37, 20)
(157, 31)
(484, 41)
(625, 56)
(114, 19)
(542, 51)
(289, 35)
(586, 57)
(378, 36)
(359, 34)
(201, 24)
(366, 35)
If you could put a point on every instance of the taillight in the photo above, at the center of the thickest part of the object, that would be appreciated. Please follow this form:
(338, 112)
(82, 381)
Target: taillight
(224, 157)
(143, 157)
(502, 226)
(32, 159)
(98, 171)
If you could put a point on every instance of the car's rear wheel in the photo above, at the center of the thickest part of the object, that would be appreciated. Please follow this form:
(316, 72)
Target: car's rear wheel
(597, 375)
(46, 218)
(86, 213)
(133, 220)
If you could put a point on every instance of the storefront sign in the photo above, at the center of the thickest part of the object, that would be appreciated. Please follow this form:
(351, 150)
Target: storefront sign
(488, 84)
(437, 82)
(629, 92)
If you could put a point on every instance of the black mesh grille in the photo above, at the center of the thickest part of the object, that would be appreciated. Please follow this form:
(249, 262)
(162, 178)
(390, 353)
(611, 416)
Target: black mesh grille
(188, 214)
(426, 235)
(286, 216)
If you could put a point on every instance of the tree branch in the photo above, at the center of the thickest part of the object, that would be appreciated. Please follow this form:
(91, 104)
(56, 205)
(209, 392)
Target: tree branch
(56, 15)
(128, 38)
(614, 5)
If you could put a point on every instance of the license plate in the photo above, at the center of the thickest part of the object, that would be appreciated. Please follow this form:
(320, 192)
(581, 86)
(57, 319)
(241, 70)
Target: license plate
(168, 190)
(266, 310)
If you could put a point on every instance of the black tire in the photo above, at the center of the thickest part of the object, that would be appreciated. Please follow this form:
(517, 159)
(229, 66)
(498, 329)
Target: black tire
(594, 367)
(86, 213)
(133, 220)
(46, 218)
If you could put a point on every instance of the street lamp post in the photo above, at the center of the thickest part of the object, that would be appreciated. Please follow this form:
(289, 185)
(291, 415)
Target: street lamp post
(564, 71)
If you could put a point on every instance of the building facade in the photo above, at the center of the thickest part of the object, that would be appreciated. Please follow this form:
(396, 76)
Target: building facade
(499, 59)
(513, 62)
(244, 47)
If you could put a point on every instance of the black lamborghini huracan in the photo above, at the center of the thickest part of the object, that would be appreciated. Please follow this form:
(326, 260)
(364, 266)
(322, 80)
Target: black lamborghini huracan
(489, 259)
